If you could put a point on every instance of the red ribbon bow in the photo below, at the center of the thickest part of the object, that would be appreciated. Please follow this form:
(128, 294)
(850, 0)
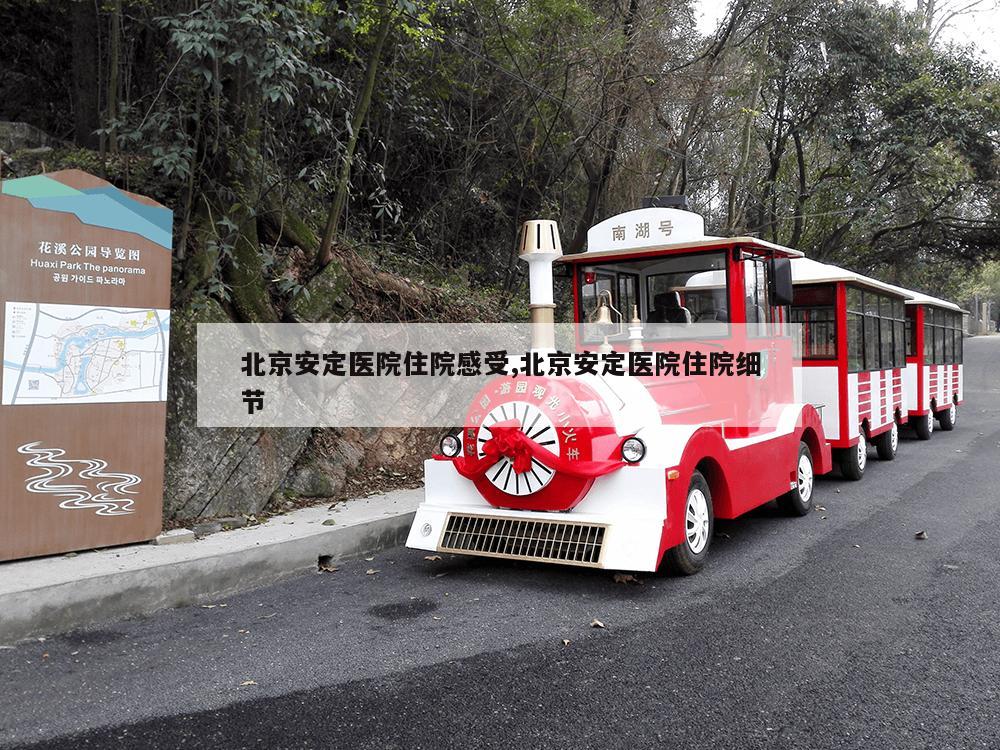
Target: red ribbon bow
(507, 440)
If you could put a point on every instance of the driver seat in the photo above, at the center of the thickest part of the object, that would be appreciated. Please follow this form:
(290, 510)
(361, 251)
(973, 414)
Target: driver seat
(667, 308)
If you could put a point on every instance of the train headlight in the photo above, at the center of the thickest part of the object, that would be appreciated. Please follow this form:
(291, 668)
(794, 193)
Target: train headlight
(633, 450)
(451, 446)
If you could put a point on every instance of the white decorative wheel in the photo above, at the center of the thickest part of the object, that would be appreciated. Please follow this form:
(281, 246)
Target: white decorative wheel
(894, 437)
(696, 520)
(862, 451)
(537, 426)
(805, 479)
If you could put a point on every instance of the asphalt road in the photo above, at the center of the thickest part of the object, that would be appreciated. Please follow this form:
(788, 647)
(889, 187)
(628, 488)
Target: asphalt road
(838, 630)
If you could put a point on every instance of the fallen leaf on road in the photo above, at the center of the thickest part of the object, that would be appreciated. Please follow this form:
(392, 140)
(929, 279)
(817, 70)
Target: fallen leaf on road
(820, 508)
(329, 522)
(247, 683)
(432, 558)
(327, 567)
(948, 566)
(857, 546)
(369, 559)
(920, 535)
(565, 641)
(370, 572)
(595, 623)
(209, 606)
(627, 578)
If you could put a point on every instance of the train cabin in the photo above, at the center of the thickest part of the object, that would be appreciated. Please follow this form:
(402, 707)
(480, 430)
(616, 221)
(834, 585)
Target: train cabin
(853, 359)
(933, 380)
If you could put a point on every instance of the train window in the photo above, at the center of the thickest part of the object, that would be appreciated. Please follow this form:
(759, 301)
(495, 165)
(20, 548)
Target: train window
(896, 311)
(854, 300)
(911, 331)
(759, 313)
(628, 293)
(855, 330)
(871, 343)
(942, 336)
(819, 331)
(594, 284)
(876, 331)
(888, 349)
(814, 310)
(855, 342)
(678, 289)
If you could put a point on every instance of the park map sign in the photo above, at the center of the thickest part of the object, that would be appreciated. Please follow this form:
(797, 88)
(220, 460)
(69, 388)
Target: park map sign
(85, 319)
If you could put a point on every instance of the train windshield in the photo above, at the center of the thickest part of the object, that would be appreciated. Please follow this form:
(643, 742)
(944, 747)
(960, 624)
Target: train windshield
(680, 290)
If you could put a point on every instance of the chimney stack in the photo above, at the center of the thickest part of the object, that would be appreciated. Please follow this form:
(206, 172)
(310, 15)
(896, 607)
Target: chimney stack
(539, 247)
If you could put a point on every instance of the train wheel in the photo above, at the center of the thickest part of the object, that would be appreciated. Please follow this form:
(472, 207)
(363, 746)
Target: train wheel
(688, 557)
(854, 460)
(888, 443)
(924, 426)
(798, 502)
(948, 417)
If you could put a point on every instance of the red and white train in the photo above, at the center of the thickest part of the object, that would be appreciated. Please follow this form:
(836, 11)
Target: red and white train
(853, 358)
(630, 472)
(933, 380)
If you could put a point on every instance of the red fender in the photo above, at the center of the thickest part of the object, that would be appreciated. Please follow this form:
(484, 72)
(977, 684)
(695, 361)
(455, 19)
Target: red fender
(730, 475)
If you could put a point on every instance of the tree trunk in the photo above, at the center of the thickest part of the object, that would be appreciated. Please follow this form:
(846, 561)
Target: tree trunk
(242, 172)
(597, 183)
(357, 122)
(803, 196)
(734, 215)
(113, 74)
(85, 73)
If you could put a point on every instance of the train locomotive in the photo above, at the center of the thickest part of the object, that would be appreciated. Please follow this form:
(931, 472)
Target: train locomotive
(628, 473)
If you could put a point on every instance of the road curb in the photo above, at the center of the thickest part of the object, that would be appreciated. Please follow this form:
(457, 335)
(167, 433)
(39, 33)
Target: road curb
(57, 594)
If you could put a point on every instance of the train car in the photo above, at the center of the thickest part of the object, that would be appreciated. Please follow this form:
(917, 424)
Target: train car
(628, 472)
(933, 380)
(853, 359)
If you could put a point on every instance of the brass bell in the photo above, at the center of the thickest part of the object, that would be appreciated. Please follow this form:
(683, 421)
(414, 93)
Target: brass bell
(603, 316)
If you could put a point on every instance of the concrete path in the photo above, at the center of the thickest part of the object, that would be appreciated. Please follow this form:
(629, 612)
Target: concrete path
(54, 594)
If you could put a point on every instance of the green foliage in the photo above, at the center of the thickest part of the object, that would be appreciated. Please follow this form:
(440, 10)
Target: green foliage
(834, 125)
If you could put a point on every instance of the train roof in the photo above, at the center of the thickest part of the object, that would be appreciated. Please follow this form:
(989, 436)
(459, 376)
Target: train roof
(707, 243)
(651, 231)
(809, 271)
(919, 298)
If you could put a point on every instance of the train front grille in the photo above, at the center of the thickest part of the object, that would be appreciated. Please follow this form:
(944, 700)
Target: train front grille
(568, 542)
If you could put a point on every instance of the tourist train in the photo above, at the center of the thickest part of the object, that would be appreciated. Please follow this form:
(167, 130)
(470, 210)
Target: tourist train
(631, 472)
